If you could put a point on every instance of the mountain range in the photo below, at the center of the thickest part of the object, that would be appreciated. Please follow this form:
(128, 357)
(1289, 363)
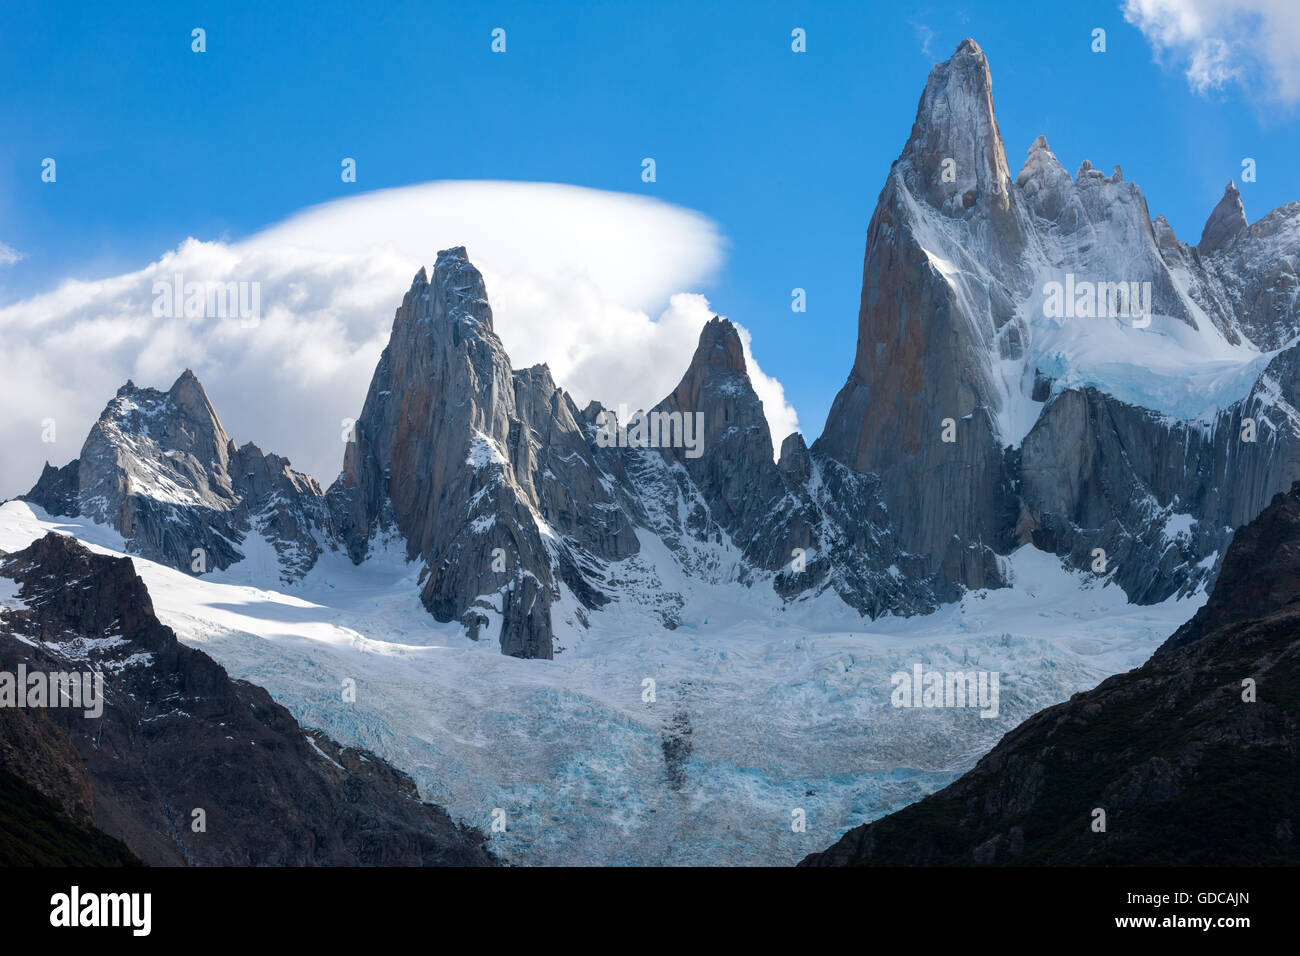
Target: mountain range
(1039, 364)
(972, 421)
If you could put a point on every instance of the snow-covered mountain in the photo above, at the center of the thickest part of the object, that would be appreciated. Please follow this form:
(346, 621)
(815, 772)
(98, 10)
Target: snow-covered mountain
(500, 487)
(160, 469)
(1037, 362)
(1094, 373)
(1051, 394)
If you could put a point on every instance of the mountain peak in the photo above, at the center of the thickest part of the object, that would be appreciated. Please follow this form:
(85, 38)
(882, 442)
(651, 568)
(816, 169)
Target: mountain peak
(1225, 222)
(455, 290)
(1043, 181)
(187, 381)
(189, 397)
(720, 346)
(460, 286)
(955, 151)
(717, 372)
(717, 376)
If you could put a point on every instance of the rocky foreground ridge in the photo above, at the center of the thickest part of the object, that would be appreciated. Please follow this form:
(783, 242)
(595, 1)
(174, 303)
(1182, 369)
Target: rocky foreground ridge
(174, 763)
(1191, 759)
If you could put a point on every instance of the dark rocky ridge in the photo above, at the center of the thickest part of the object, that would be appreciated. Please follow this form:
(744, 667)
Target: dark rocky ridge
(1187, 771)
(47, 804)
(178, 734)
(34, 831)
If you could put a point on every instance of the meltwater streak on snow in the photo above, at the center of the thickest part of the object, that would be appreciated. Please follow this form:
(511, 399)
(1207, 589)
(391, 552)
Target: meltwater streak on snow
(783, 710)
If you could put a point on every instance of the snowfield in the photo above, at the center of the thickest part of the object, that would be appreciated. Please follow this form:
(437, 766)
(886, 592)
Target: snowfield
(754, 711)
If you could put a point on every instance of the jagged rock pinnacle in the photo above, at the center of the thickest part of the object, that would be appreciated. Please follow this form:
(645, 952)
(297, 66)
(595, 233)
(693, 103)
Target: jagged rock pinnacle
(954, 157)
(1225, 222)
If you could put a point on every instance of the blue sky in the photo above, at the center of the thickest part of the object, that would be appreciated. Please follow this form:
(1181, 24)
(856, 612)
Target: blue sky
(786, 152)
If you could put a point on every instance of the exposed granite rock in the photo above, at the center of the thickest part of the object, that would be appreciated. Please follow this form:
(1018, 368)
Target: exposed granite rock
(476, 465)
(1225, 222)
(916, 362)
(1256, 276)
(735, 472)
(160, 469)
(955, 264)
(1160, 496)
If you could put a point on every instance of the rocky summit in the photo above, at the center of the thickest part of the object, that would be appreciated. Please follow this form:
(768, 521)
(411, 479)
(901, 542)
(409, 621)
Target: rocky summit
(159, 468)
(993, 422)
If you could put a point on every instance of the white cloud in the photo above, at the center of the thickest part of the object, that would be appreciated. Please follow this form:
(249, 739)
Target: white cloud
(781, 416)
(8, 255)
(1249, 42)
(574, 277)
(926, 36)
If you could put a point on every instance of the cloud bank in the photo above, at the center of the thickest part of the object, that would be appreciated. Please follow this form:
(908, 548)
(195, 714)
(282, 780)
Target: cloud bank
(1251, 43)
(592, 283)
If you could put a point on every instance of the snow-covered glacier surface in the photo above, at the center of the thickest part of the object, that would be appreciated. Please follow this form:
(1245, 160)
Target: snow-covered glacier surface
(757, 712)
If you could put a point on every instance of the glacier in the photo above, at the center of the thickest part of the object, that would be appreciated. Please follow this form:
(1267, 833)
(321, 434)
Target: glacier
(757, 711)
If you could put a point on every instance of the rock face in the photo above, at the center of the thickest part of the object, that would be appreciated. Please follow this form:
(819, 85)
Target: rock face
(35, 831)
(1255, 274)
(47, 804)
(1167, 751)
(967, 401)
(178, 735)
(921, 356)
(1225, 222)
(160, 469)
(734, 470)
(484, 471)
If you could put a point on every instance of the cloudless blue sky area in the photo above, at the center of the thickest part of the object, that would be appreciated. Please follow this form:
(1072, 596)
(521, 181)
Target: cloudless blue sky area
(787, 152)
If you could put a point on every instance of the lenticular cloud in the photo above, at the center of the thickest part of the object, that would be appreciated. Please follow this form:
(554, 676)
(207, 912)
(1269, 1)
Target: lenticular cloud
(597, 285)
